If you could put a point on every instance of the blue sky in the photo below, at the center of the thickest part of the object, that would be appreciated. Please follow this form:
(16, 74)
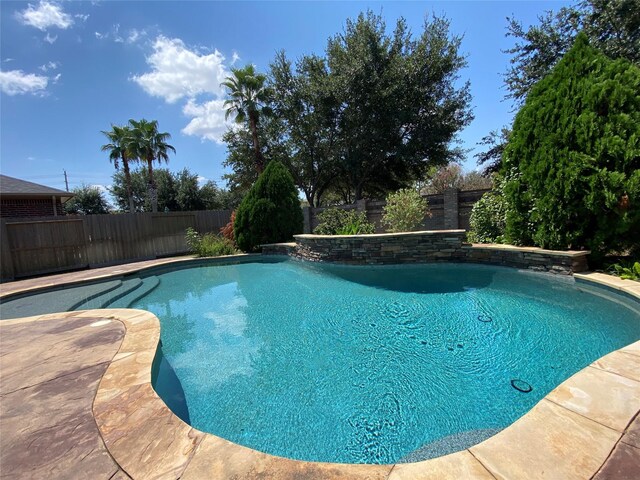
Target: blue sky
(71, 69)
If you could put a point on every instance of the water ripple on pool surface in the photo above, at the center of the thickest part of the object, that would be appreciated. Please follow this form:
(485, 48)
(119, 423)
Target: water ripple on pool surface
(367, 365)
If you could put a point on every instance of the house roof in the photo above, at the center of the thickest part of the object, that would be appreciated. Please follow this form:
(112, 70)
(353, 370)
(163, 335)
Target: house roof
(15, 186)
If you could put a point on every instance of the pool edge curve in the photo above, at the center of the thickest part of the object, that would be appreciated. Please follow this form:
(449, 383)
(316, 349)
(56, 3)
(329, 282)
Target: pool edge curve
(570, 433)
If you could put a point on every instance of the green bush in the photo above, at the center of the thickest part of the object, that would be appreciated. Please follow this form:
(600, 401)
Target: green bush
(405, 211)
(270, 212)
(193, 240)
(488, 217)
(209, 244)
(87, 200)
(339, 221)
(626, 272)
(573, 157)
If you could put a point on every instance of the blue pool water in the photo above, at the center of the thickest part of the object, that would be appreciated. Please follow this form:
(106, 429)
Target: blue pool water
(371, 364)
(358, 364)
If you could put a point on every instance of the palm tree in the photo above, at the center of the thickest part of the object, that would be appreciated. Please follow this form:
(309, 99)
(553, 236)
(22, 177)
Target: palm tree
(248, 98)
(147, 144)
(119, 140)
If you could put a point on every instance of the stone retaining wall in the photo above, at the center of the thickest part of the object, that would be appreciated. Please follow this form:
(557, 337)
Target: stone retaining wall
(529, 258)
(425, 247)
(279, 248)
(386, 248)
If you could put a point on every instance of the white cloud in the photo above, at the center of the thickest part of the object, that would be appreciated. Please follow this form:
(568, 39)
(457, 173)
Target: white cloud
(234, 58)
(50, 38)
(82, 17)
(182, 72)
(45, 15)
(16, 82)
(56, 78)
(115, 33)
(178, 72)
(207, 120)
(135, 35)
(7, 60)
(49, 66)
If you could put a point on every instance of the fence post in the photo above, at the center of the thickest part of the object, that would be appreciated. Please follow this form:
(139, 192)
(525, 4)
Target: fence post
(306, 215)
(361, 205)
(451, 209)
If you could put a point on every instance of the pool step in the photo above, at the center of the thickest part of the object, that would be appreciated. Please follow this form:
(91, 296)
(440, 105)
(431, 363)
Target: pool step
(125, 301)
(98, 300)
(62, 300)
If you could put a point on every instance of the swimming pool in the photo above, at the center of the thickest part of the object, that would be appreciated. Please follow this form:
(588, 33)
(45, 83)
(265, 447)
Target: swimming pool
(372, 365)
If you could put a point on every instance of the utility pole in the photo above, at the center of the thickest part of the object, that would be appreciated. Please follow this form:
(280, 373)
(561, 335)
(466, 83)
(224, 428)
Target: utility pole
(66, 180)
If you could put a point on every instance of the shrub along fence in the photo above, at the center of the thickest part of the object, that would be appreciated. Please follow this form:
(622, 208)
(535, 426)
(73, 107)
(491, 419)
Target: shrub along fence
(449, 211)
(34, 246)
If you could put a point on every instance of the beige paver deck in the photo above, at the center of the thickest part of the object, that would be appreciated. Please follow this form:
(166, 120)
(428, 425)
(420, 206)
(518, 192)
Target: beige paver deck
(50, 374)
(583, 428)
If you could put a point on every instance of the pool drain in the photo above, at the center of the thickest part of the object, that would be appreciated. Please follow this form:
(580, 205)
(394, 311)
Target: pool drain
(521, 385)
(485, 318)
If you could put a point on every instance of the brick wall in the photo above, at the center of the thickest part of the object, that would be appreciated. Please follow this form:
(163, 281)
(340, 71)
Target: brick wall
(29, 207)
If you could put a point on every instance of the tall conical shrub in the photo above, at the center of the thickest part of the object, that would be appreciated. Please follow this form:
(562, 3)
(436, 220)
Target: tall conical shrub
(270, 212)
(573, 158)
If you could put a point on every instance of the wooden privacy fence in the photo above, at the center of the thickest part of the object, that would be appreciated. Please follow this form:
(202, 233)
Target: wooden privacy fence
(33, 246)
(449, 211)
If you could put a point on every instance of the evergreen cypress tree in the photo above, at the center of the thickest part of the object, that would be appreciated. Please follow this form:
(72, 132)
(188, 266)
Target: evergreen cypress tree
(270, 212)
(573, 160)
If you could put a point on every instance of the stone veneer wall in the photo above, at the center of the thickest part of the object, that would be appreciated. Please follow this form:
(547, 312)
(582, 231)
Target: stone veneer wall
(529, 258)
(425, 247)
(384, 248)
(279, 249)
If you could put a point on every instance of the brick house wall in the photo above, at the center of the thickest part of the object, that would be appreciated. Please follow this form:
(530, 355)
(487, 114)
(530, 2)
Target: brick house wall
(22, 207)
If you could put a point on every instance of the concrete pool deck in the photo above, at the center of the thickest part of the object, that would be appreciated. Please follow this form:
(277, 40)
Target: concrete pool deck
(588, 427)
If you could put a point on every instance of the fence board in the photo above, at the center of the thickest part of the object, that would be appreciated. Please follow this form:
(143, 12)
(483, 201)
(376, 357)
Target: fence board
(6, 265)
(168, 232)
(46, 246)
(374, 210)
(213, 222)
(38, 245)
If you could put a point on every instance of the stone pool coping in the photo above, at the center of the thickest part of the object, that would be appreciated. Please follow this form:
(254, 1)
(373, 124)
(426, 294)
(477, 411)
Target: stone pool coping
(574, 432)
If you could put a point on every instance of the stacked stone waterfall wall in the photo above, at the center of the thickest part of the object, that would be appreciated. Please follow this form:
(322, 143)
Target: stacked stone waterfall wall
(425, 247)
(414, 247)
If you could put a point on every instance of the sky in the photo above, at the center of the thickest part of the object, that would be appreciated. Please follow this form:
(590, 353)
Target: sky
(70, 69)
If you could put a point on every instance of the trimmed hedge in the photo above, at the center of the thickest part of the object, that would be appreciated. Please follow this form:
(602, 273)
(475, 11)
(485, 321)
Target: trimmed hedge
(573, 159)
(270, 212)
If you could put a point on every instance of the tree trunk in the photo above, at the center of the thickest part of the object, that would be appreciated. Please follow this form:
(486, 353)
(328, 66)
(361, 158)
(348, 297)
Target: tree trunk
(357, 193)
(253, 124)
(127, 180)
(153, 194)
